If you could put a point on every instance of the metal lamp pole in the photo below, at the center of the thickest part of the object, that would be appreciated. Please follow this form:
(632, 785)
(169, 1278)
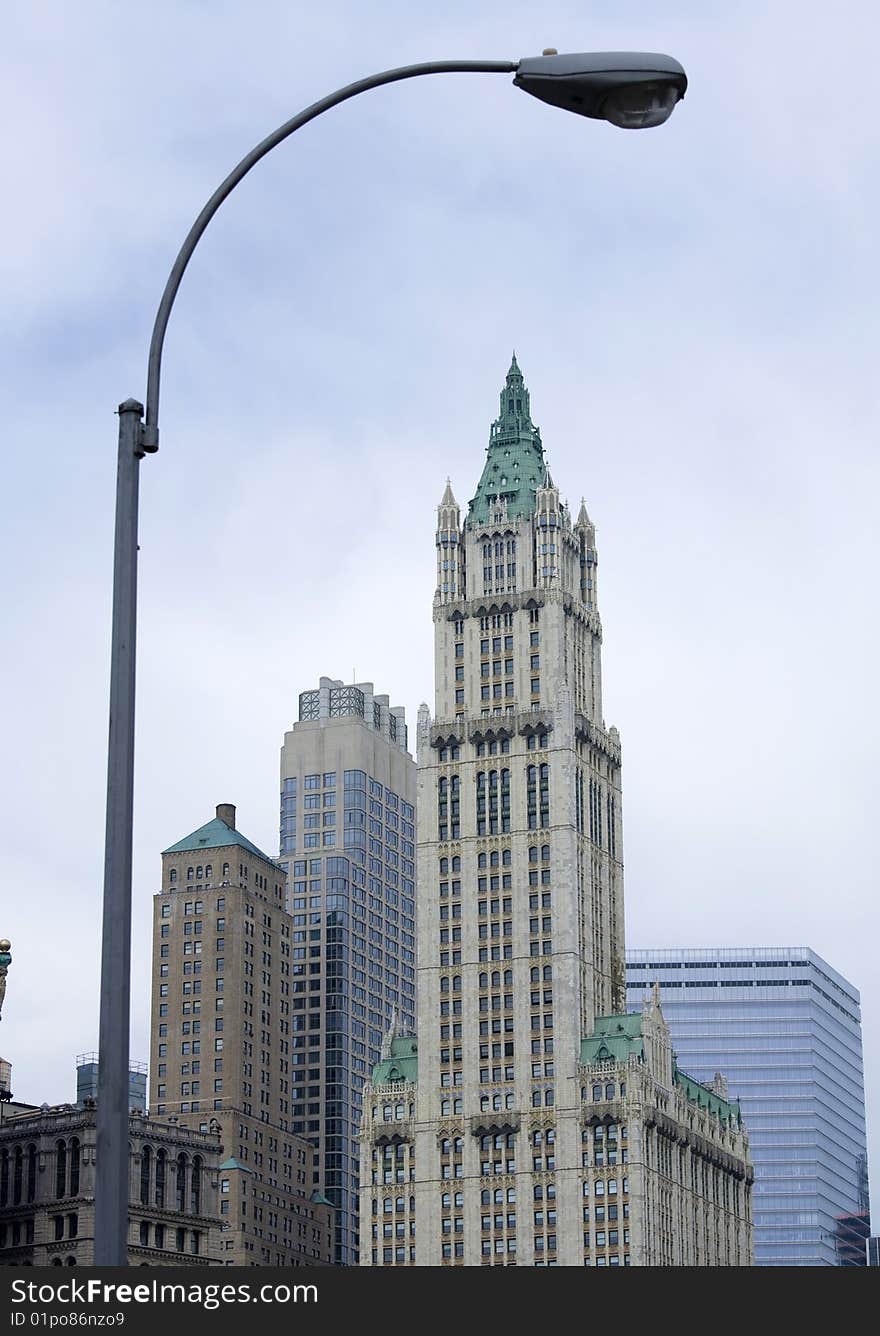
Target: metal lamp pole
(632, 90)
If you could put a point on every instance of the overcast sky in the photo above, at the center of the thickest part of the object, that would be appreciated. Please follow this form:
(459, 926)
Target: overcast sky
(695, 312)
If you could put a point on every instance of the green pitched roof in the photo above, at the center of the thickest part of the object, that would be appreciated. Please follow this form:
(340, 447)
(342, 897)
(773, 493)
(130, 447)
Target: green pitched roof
(515, 457)
(215, 835)
(403, 1065)
(233, 1163)
(614, 1037)
(705, 1098)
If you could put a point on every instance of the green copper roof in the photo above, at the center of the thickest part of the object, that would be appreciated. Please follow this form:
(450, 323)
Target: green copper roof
(515, 457)
(233, 1163)
(215, 835)
(403, 1065)
(614, 1037)
(701, 1095)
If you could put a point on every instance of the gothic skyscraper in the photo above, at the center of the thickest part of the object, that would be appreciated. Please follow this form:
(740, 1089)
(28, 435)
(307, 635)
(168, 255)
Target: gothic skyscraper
(530, 1108)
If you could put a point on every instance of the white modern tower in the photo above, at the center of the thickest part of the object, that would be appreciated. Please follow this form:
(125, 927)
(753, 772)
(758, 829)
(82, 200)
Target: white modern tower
(482, 1142)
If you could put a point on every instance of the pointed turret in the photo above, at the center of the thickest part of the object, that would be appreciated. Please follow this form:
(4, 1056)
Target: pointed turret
(515, 458)
(448, 511)
(423, 730)
(658, 1042)
(450, 568)
(389, 1037)
(585, 533)
(548, 525)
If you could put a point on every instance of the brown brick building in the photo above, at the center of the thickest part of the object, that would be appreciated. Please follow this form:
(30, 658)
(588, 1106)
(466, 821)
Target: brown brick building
(220, 1040)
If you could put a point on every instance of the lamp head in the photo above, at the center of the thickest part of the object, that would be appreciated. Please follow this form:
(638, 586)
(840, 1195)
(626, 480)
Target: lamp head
(631, 89)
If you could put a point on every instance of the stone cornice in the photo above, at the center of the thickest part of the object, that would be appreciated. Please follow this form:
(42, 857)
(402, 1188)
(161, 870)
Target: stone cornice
(453, 732)
(590, 619)
(487, 605)
(490, 1124)
(392, 1134)
(591, 733)
(395, 1088)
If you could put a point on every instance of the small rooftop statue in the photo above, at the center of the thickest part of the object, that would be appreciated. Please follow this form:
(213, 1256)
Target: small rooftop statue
(5, 962)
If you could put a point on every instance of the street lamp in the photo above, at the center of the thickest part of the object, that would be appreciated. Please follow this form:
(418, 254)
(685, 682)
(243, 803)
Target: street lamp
(631, 90)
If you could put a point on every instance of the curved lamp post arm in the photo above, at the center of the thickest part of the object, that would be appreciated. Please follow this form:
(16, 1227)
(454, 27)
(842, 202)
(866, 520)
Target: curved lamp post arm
(150, 433)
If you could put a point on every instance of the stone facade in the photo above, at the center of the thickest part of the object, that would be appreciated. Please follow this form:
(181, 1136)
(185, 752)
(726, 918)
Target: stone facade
(48, 1167)
(221, 1040)
(480, 1148)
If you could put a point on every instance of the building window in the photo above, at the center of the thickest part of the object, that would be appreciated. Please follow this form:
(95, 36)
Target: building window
(160, 1179)
(146, 1163)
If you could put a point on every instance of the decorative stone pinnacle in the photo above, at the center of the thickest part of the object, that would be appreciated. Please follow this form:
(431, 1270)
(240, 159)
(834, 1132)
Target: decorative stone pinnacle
(5, 962)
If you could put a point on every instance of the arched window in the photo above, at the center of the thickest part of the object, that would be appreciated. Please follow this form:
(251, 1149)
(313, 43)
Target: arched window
(196, 1186)
(226, 869)
(56, 1261)
(209, 872)
(74, 1167)
(160, 1177)
(31, 1172)
(200, 871)
(180, 1187)
(60, 1168)
(172, 876)
(70, 1261)
(4, 1177)
(146, 1166)
(16, 1175)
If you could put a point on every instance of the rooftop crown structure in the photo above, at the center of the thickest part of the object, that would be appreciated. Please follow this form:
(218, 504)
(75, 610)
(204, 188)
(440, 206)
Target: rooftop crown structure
(531, 1121)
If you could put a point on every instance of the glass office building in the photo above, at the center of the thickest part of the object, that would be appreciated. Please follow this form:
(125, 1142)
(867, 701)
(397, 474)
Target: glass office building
(785, 1029)
(348, 848)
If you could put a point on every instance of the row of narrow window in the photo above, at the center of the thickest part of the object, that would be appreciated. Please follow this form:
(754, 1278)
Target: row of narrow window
(18, 1172)
(202, 872)
(157, 1173)
(493, 816)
